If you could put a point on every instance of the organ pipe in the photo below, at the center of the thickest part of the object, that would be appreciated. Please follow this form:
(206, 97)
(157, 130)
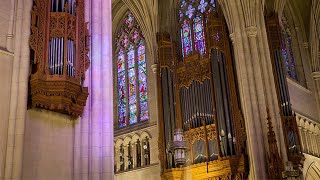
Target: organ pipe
(59, 38)
(289, 124)
(196, 105)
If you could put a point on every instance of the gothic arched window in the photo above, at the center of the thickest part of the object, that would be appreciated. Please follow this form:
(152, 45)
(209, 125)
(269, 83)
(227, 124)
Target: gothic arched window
(193, 15)
(131, 73)
(287, 50)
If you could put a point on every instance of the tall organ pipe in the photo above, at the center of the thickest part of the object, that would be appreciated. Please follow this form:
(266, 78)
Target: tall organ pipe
(222, 100)
(168, 115)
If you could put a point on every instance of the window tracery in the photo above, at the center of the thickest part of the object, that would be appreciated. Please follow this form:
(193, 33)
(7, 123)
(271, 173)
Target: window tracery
(192, 16)
(287, 50)
(131, 74)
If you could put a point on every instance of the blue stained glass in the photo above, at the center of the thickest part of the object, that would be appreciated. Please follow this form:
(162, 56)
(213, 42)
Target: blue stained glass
(202, 6)
(183, 4)
(213, 3)
(199, 35)
(180, 14)
(190, 11)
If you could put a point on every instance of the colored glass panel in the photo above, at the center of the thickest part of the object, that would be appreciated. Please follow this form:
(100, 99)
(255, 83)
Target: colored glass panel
(129, 20)
(186, 38)
(183, 4)
(142, 83)
(131, 74)
(125, 40)
(180, 14)
(135, 36)
(287, 51)
(190, 11)
(132, 86)
(121, 90)
(199, 35)
(202, 6)
(213, 3)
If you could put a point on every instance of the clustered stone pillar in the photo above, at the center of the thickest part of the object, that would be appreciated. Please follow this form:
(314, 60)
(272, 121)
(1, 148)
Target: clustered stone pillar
(246, 24)
(19, 91)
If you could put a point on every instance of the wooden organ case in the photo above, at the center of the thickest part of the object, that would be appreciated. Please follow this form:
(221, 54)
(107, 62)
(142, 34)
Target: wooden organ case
(288, 119)
(59, 56)
(199, 95)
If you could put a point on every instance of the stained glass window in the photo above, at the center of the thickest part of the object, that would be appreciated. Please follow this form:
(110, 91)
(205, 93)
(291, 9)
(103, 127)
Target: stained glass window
(142, 82)
(287, 50)
(121, 89)
(199, 35)
(131, 74)
(186, 38)
(193, 15)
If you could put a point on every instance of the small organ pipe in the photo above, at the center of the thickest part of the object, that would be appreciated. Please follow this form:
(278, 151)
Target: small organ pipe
(62, 4)
(68, 57)
(59, 52)
(185, 108)
(54, 55)
(73, 58)
(62, 56)
(57, 5)
(49, 57)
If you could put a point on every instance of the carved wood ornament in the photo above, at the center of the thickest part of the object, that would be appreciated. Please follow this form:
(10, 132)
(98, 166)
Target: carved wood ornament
(59, 43)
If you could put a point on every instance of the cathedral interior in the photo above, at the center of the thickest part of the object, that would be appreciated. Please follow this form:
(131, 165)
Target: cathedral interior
(159, 89)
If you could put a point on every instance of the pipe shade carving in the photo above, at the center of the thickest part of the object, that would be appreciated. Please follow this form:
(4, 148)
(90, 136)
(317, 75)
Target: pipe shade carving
(59, 46)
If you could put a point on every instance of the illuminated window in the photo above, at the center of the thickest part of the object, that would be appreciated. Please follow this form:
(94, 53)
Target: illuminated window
(289, 63)
(193, 14)
(132, 102)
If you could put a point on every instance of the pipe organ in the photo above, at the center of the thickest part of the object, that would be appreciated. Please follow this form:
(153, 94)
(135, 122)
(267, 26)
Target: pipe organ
(59, 45)
(289, 124)
(198, 94)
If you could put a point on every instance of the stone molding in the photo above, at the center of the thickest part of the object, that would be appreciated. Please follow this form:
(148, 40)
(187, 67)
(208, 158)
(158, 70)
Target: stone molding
(6, 53)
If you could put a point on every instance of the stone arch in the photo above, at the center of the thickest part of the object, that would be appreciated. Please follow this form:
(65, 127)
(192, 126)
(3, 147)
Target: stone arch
(143, 11)
(313, 171)
(145, 134)
(299, 37)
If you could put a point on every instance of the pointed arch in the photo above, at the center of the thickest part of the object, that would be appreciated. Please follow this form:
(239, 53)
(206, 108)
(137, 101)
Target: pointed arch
(130, 59)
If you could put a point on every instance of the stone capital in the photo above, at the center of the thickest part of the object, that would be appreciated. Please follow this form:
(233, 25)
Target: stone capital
(154, 68)
(316, 75)
(251, 31)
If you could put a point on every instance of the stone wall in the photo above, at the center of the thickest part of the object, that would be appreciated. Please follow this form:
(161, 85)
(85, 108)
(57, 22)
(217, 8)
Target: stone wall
(6, 60)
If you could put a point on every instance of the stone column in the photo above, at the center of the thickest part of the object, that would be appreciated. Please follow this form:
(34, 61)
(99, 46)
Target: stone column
(107, 92)
(10, 34)
(19, 92)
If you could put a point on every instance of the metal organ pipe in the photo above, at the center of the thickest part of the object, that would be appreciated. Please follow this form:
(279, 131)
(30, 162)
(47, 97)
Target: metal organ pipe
(54, 55)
